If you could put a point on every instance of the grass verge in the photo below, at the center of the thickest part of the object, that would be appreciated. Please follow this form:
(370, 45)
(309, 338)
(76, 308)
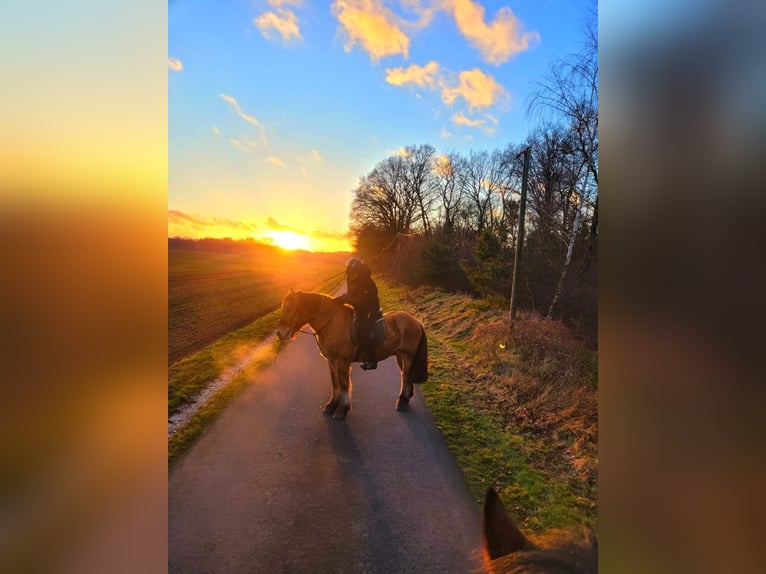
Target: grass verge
(180, 441)
(529, 446)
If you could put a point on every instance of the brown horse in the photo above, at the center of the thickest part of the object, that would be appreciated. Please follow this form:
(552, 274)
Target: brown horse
(405, 338)
(509, 551)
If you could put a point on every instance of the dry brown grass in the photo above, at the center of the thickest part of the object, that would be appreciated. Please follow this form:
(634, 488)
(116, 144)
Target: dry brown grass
(537, 377)
(544, 381)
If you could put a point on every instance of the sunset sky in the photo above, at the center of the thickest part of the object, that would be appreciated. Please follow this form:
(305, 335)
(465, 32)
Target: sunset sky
(277, 107)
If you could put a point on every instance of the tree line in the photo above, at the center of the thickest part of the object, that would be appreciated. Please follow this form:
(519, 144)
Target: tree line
(451, 220)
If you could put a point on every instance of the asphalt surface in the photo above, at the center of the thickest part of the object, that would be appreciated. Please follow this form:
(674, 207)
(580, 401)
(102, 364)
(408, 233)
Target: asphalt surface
(277, 486)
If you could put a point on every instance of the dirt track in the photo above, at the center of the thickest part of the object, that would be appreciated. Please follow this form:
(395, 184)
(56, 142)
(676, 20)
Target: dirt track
(276, 486)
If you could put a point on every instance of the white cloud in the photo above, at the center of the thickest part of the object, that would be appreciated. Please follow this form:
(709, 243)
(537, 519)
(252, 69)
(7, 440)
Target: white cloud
(216, 131)
(175, 64)
(247, 117)
(445, 134)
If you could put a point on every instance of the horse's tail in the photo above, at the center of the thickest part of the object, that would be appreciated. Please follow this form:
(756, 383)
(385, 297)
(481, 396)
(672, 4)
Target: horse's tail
(419, 369)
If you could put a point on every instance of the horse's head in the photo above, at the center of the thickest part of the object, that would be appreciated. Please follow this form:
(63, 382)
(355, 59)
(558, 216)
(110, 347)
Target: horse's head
(292, 317)
(510, 551)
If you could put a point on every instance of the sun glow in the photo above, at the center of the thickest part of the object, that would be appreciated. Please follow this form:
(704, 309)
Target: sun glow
(290, 240)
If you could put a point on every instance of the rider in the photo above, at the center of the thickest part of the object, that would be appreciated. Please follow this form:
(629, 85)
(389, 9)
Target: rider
(362, 295)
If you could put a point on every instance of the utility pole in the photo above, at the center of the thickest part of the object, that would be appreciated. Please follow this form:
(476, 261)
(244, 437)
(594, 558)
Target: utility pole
(520, 241)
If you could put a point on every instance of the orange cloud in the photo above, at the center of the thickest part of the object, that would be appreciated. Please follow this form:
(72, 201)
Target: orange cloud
(487, 125)
(274, 160)
(175, 64)
(182, 224)
(460, 119)
(372, 26)
(422, 76)
(284, 22)
(478, 89)
(175, 216)
(497, 41)
(274, 224)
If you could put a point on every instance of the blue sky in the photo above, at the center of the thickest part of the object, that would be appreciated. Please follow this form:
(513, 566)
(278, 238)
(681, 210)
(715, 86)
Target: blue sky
(277, 107)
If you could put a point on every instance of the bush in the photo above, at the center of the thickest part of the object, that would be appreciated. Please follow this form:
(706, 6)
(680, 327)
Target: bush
(492, 273)
(439, 265)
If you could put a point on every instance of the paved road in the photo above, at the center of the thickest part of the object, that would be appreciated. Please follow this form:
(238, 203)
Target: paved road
(276, 486)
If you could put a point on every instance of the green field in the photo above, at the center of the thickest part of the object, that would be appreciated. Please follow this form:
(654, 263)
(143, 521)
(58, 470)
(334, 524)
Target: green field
(212, 294)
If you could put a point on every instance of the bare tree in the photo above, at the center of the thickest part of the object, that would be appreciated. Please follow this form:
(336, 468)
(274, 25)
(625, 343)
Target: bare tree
(418, 161)
(554, 172)
(570, 93)
(445, 187)
(383, 199)
(482, 178)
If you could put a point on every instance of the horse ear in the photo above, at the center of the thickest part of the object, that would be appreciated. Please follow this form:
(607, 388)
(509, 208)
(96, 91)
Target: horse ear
(501, 535)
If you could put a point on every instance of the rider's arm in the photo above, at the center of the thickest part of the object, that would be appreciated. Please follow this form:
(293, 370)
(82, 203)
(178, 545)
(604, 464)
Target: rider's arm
(341, 299)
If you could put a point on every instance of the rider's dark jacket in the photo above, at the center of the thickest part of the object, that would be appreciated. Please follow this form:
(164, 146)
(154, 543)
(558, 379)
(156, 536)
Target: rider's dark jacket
(362, 295)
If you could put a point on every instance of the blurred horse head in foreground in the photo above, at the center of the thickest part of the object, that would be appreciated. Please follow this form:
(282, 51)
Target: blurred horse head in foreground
(509, 551)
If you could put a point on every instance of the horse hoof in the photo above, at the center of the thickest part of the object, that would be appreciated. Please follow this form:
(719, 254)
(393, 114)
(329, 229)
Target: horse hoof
(401, 405)
(340, 413)
(329, 408)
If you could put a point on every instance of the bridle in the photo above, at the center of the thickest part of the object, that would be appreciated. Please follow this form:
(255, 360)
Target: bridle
(316, 331)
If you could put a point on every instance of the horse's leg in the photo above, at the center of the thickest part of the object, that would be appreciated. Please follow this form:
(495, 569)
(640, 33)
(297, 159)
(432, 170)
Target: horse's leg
(344, 390)
(332, 404)
(407, 389)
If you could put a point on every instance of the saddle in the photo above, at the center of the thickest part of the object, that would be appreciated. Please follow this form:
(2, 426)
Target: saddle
(379, 331)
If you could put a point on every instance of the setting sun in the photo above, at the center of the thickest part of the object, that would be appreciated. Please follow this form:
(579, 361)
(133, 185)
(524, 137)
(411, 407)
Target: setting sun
(290, 240)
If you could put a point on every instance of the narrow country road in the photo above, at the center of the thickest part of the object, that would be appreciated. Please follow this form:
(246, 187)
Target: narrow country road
(276, 486)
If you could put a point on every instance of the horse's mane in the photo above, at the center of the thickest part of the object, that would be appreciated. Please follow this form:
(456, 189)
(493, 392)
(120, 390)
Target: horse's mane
(312, 300)
(558, 552)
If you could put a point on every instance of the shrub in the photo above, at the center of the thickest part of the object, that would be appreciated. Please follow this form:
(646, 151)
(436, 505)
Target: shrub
(492, 271)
